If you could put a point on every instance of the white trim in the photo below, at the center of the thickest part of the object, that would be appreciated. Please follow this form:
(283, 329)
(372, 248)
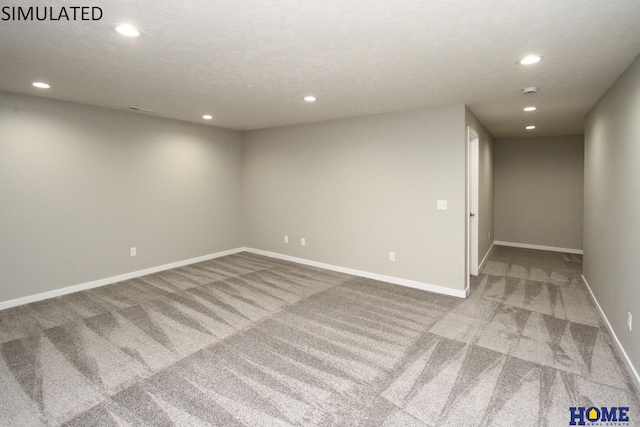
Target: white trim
(486, 257)
(540, 247)
(615, 337)
(110, 280)
(473, 200)
(375, 276)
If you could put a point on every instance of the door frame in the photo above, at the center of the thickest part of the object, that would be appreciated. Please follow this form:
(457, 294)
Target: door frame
(473, 217)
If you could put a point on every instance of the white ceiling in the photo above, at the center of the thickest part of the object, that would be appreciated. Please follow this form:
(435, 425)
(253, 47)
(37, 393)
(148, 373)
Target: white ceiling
(250, 62)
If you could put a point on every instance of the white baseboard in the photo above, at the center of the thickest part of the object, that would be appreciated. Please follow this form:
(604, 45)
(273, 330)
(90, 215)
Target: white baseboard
(390, 279)
(110, 280)
(486, 256)
(132, 275)
(540, 247)
(625, 357)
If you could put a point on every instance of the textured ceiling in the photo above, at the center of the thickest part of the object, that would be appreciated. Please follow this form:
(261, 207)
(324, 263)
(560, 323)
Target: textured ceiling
(249, 63)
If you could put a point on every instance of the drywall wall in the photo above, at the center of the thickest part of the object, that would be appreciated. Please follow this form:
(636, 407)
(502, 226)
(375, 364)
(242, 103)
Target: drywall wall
(80, 185)
(611, 206)
(539, 191)
(485, 212)
(360, 188)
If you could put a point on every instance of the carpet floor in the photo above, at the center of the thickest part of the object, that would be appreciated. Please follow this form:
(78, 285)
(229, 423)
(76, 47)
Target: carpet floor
(247, 340)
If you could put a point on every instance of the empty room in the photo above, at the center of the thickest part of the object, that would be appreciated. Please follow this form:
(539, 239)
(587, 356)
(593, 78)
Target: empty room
(319, 213)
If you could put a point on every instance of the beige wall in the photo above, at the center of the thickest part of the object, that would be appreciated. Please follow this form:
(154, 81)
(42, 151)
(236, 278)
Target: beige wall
(357, 189)
(485, 185)
(612, 204)
(539, 191)
(81, 185)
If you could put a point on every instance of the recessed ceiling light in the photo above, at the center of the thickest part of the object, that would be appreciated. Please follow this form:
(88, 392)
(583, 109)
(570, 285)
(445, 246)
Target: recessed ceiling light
(531, 59)
(530, 108)
(41, 85)
(207, 117)
(531, 127)
(127, 30)
(309, 98)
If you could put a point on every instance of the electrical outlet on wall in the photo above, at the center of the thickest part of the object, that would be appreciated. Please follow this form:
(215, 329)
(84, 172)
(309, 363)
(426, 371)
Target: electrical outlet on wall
(133, 252)
(303, 242)
(392, 256)
(286, 239)
(629, 320)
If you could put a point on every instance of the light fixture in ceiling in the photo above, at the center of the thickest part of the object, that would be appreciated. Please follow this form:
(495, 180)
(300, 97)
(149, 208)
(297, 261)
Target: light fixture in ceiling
(531, 59)
(41, 85)
(127, 30)
(530, 108)
(207, 117)
(530, 127)
(309, 98)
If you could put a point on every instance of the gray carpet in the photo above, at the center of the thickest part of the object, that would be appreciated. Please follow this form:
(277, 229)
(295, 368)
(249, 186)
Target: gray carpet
(246, 340)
